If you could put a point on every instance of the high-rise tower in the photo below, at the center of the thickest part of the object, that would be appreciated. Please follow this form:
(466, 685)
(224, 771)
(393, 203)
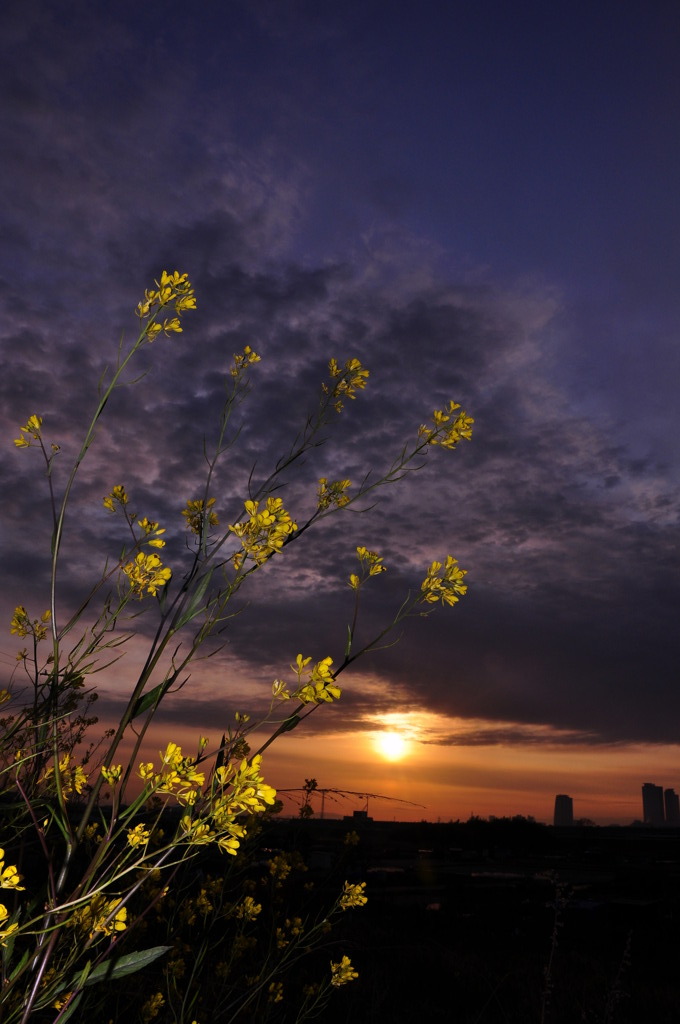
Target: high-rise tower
(652, 804)
(672, 807)
(564, 811)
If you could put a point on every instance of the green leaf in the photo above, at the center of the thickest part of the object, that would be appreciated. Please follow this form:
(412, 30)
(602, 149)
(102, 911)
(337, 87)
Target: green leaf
(128, 964)
(290, 723)
(84, 975)
(22, 963)
(148, 699)
(195, 606)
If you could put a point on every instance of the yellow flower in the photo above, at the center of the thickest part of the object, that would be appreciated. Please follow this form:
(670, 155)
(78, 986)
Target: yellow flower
(353, 895)
(70, 778)
(172, 288)
(348, 380)
(248, 909)
(199, 515)
(146, 574)
(320, 684)
(117, 498)
(32, 430)
(264, 534)
(332, 494)
(9, 876)
(342, 972)
(371, 564)
(243, 362)
(152, 1007)
(138, 836)
(153, 330)
(9, 930)
(21, 625)
(112, 774)
(445, 586)
(152, 531)
(275, 992)
(100, 915)
(446, 432)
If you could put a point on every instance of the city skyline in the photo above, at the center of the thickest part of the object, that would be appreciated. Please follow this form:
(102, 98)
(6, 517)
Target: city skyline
(481, 207)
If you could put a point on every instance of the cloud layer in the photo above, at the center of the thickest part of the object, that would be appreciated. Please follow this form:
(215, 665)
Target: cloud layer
(124, 157)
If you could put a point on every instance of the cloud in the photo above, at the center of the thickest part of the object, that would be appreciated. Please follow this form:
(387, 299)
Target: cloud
(567, 528)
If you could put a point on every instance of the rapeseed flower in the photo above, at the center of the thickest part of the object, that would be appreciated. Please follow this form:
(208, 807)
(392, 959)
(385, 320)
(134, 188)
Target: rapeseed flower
(146, 574)
(342, 972)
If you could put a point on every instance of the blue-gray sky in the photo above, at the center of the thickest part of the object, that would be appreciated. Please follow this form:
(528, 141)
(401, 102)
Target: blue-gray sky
(479, 200)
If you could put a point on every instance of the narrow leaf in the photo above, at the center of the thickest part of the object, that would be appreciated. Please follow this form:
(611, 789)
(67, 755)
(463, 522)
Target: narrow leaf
(148, 699)
(195, 606)
(72, 1007)
(127, 964)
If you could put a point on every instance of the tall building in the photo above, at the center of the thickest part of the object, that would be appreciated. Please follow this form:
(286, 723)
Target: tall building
(564, 811)
(652, 804)
(671, 802)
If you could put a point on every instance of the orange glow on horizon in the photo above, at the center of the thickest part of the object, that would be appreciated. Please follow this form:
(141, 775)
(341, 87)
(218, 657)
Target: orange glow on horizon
(419, 775)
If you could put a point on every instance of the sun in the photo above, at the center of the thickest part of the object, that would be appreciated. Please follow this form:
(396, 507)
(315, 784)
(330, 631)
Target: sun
(393, 746)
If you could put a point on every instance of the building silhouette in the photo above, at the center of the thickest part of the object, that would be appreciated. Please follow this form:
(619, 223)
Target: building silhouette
(671, 802)
(564, 811)
(652, 804)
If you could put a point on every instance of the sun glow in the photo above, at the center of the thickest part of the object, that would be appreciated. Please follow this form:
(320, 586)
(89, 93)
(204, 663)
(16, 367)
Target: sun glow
(393, 746)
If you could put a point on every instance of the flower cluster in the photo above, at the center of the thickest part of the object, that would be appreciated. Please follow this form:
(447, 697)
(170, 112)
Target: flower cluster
(5, 929)
(9, 876)
(32, 432)
(117, 499)
(243, 362)
(236, 791)
(138, 836)
(249, 790)
(177, 775)
(173, 289)
(100, 915)
(21, 625)
(146, 573)
(445, 431)
(151, 533)
(333, 493)
(112, 773)
(353, 895)
(199, 515)
(264, 533)
(72, 778)
(342, 972)
(348, 380)
(248, 909)
(319, 685)
(152, 1007)
(371, 565)
(443, 583)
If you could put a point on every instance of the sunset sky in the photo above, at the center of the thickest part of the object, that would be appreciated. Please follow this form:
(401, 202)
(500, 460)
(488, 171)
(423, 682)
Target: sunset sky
(478, 200)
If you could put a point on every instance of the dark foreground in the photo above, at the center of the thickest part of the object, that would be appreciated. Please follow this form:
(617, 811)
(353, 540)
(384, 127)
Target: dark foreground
(506, 922)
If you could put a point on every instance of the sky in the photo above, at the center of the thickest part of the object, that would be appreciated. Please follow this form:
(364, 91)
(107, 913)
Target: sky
(480, 202)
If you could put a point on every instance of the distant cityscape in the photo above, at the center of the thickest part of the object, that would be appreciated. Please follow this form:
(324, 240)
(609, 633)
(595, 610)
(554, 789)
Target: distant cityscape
(660, 807)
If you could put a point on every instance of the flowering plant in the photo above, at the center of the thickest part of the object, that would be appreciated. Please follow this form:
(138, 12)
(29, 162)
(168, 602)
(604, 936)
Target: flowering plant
(87, 877)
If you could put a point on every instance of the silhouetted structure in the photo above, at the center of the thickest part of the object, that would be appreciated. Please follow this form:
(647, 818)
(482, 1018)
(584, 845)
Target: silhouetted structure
(652, 804)
(564, 811)
(671, 802)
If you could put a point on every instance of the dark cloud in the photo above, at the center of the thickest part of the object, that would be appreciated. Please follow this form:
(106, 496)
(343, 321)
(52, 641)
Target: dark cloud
(124, 156)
